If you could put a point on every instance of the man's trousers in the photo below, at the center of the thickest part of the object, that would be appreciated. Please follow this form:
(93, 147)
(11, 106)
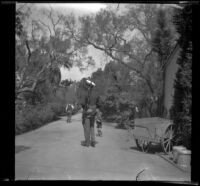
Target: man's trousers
(89, 133)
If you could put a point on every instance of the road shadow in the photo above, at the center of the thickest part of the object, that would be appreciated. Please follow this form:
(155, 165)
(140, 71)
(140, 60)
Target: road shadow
(79, 120)
(134, 148)
(20, 148)
(153, 149)
(64, 118)
(96, 142)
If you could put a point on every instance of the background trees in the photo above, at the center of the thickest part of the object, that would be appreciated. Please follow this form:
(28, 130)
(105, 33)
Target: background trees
(136, 42)
(140, 43)
(42, 48)
(118, 88)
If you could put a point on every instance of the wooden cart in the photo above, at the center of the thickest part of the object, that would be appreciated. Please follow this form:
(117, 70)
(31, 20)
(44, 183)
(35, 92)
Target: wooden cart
(155, 130)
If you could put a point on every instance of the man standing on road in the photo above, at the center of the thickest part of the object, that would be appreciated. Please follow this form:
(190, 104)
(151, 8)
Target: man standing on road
(88, 126)
(88, 115)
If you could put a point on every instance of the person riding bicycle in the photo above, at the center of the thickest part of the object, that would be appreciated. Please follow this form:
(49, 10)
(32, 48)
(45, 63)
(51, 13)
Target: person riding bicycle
(69, 109)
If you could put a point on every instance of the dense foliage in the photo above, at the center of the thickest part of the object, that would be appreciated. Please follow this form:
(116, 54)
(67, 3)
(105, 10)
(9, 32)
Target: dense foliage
(139, 45)
(31, 117)
(118, 90)
(41, 50)
(136, 47)
(182, 106)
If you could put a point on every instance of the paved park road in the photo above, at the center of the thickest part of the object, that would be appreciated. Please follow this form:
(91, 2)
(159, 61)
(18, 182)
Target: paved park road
(54, 152)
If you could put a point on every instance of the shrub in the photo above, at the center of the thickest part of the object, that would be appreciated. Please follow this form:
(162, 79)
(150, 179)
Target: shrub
(113, 105)
(33, 117)
(113, 118)
(57, 107)
(124, 117)
(19, 121)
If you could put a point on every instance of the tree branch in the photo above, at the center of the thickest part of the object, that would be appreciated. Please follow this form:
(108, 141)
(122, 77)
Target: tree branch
(115, 38)
(52, 20)
(145, 58)
(59, 19)
(144, 35)
(124, 40)
(27, 89)
(124, 64)
(109, 53)
(32, 88)
(137, 24)
(29, 51)
(45, 26)
(22, 78)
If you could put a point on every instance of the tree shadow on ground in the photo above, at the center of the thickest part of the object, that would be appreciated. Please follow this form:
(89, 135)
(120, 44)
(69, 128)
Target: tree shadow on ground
(152, 149)
(20, 148)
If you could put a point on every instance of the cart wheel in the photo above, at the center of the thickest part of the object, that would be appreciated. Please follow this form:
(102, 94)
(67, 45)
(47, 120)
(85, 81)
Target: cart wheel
(168, 139)
(143, 145)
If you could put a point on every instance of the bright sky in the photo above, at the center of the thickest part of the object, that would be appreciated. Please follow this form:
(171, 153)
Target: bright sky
(78, 9)
(91, 7)
(75, 74)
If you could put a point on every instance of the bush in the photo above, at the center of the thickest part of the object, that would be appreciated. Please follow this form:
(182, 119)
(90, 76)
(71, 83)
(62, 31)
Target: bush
(57, 107)
(124, 118)
(33, 117)
(113, 118)
(114, 106)
(19, 122)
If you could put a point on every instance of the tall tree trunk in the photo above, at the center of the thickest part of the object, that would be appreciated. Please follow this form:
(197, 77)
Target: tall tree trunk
(161, 106)
(162, 96)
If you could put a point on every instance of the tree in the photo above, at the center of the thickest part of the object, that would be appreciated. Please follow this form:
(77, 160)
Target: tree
(118, 88)
(125, 38)
(181, 109)
(18, 23)
(106, 32)
(101, 83)
(163, 42)
(42, 49)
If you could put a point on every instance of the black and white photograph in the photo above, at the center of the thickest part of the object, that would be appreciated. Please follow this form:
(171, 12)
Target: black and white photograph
(103, 91)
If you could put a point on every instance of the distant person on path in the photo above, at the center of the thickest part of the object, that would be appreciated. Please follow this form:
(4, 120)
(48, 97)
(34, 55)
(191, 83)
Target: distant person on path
(99, 122)
(69, 109)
